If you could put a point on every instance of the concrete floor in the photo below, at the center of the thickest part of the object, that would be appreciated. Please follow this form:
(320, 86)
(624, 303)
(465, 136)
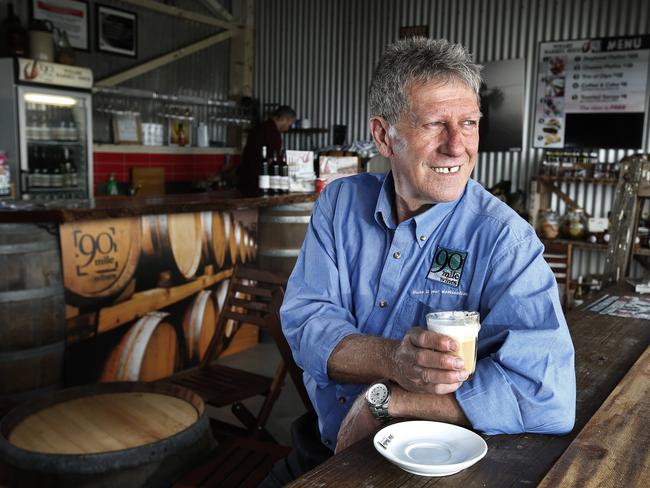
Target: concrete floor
(263, 359)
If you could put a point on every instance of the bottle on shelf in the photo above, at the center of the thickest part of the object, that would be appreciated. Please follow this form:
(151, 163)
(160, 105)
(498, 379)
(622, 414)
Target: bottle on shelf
(275, 175)
(182, 136)
(284, 174)
(111, 185)
(578, 294)
(70, 169)
(264, 180)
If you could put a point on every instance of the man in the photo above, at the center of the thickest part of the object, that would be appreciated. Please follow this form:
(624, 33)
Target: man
(373, 264)
(269, 134)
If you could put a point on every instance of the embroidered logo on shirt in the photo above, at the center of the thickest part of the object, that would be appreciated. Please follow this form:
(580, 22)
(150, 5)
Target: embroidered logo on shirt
(447, 266)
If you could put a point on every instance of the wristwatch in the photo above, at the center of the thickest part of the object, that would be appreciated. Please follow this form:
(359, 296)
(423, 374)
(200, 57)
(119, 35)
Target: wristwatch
(378, 398)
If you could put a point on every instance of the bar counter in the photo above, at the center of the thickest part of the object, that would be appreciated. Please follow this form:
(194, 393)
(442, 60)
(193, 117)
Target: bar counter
(123, 206)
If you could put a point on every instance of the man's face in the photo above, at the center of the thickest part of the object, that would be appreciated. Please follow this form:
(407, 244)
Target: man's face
(285, 123)
(434, 143)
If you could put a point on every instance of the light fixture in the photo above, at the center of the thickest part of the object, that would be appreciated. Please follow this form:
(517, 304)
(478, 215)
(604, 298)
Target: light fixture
(50, 99)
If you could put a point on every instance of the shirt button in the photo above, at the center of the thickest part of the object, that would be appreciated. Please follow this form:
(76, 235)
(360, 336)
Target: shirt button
(341, 400)
(382, 303)
(423, 238)
(397, 254)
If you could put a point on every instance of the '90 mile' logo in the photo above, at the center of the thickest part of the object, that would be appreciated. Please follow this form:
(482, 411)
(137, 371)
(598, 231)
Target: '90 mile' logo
(447, 266)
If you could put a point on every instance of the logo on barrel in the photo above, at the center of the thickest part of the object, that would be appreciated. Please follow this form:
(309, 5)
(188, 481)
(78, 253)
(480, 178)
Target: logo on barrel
(447, 266)
(96, 251)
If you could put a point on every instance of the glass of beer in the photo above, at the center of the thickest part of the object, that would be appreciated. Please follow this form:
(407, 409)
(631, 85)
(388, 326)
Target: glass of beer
(462, 327)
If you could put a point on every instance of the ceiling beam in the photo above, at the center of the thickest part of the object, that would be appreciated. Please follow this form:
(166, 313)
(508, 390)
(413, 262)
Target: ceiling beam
(165, 59)
(180, 13)
(218, 9)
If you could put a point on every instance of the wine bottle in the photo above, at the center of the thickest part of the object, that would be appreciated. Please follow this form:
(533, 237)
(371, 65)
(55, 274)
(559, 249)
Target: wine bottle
(275, 176)
(264, 181)
(284, 174)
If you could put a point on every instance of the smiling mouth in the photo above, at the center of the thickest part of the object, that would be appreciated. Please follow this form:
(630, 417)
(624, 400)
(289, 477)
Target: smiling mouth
(446, 169)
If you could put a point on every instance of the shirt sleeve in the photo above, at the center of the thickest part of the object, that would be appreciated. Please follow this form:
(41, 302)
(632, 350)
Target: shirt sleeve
(525, 377)
(314, 316)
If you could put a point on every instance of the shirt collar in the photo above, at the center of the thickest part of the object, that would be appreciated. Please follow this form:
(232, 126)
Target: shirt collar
(425, 223)
(384, 207)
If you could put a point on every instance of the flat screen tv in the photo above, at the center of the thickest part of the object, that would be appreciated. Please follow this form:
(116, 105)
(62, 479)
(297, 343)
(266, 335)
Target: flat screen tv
(606, 130)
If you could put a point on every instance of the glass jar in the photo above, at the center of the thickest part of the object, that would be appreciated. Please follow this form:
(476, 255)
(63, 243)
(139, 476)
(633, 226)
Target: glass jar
(574, 225)
(548, 224)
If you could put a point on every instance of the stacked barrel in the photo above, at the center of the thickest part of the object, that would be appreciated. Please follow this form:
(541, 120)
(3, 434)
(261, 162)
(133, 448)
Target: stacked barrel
(121, 259)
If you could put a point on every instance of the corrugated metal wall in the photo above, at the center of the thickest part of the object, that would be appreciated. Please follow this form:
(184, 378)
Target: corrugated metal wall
(318, 57)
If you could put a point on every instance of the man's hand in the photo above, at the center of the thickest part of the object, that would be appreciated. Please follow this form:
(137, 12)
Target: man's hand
(357, 424)
(422, 363)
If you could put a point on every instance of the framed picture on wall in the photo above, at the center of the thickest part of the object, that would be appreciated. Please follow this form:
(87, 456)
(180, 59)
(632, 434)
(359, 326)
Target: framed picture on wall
(70, 16)
(180, 132)
(127, 129)
(117, 31)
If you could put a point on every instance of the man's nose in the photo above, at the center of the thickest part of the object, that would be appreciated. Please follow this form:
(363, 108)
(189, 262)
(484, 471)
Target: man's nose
(453, 145)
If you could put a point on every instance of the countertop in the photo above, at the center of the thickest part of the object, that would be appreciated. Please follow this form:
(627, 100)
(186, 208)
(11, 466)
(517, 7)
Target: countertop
(123, 206)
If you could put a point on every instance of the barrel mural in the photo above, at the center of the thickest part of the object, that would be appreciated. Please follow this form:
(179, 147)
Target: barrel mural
(143, 294)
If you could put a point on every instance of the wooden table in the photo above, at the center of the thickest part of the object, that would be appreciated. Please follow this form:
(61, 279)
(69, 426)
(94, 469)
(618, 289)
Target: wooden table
(610, 445)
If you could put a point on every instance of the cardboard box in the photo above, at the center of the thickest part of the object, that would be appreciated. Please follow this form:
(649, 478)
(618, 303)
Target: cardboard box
(334, 167)
(301, 171)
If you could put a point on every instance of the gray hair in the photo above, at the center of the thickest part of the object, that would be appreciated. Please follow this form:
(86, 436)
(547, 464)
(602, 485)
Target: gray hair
(417, 59)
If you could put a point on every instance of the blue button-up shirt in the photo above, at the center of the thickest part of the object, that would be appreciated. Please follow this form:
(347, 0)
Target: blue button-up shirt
(360, 273)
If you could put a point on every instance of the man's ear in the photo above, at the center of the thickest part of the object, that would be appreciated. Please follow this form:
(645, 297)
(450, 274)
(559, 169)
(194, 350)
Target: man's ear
(379, 130)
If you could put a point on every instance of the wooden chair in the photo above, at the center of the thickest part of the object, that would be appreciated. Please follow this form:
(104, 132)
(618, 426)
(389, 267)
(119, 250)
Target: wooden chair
(239, 462)
(254, 297)
(558, 256)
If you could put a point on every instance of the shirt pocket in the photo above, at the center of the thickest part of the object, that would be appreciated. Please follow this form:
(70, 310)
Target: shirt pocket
(434, 297)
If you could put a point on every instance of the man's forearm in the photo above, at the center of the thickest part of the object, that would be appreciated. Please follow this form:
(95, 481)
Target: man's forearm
(426, 406)
(361, 359)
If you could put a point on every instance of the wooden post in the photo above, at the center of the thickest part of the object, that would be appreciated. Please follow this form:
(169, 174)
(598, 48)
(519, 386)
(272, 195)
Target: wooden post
(633, 185)
(241, 62)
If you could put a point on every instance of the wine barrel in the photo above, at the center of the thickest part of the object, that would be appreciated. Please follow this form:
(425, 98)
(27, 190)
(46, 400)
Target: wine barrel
(199, 324)
(213, 240)
(228, 224)
(111, 434)
(280, 233)
(147, 352)
(234, 241)
(100, 260)
(248, 245)
(32, 311)
(173, 240)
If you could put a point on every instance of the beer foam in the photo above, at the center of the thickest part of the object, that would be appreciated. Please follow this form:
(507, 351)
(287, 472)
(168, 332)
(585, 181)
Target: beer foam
(461, 332)
(462, 326)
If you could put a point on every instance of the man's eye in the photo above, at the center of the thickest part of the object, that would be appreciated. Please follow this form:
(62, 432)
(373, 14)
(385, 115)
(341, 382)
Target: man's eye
(470, 123)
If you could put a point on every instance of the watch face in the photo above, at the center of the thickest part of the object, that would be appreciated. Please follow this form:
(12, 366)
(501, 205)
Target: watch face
(378, 394)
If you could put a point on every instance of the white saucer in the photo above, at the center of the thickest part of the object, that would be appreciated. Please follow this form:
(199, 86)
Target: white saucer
(429, 448)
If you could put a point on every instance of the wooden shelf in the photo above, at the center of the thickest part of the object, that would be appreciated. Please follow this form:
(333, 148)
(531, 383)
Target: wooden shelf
(111, 316)
(641, 251)
(571, 179)
(141, 149)
(581, 244)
